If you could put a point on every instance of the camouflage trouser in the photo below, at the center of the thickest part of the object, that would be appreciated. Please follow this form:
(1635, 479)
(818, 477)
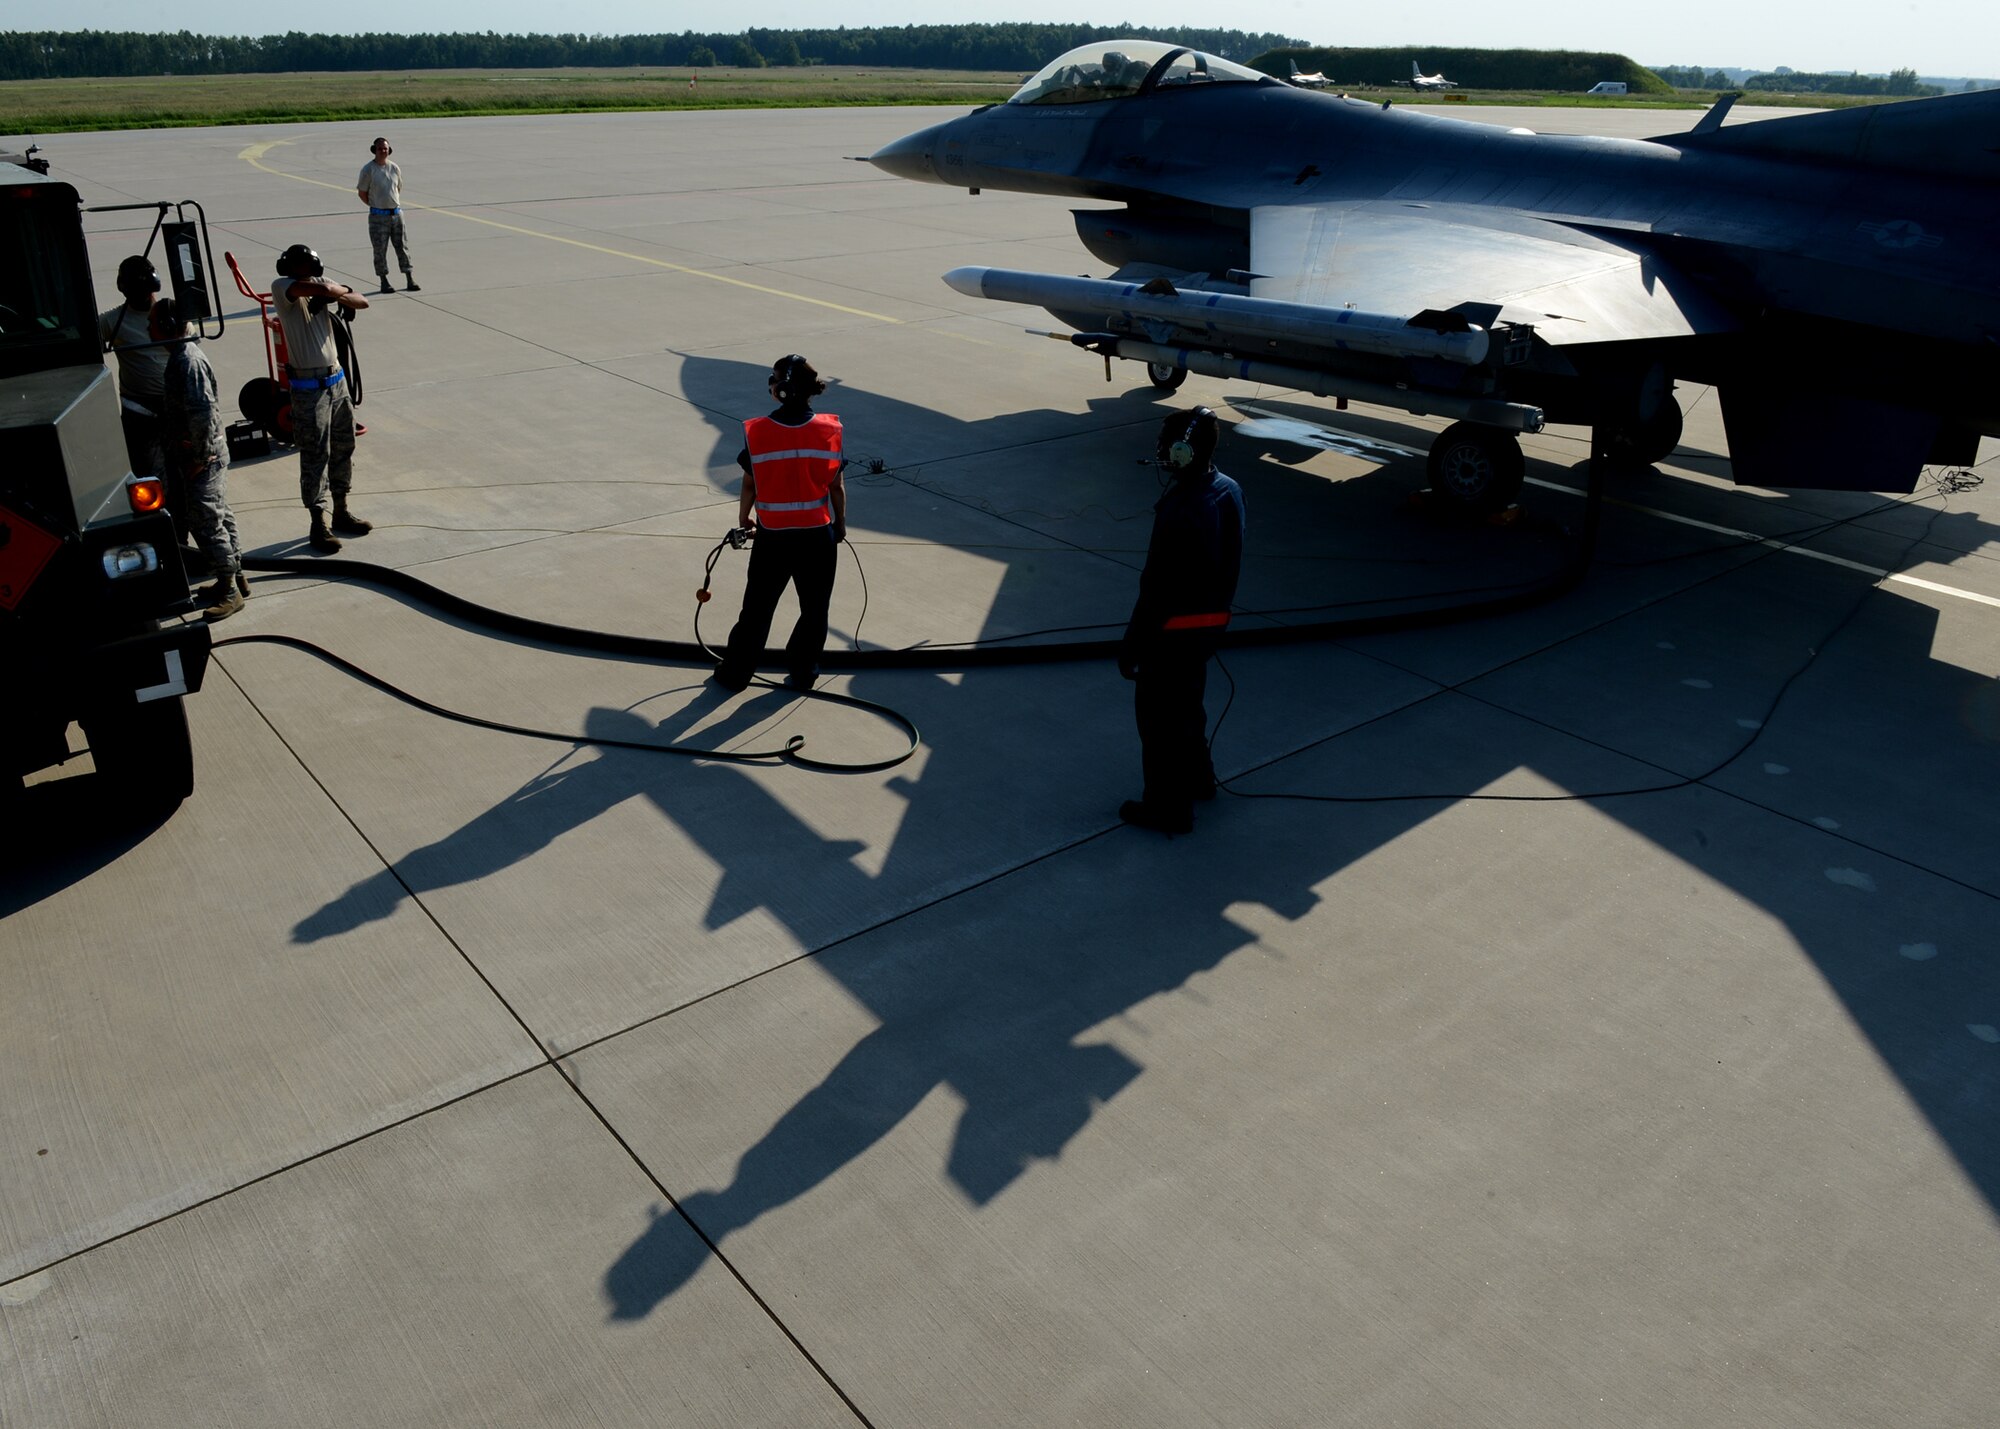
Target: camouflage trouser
(323, 431)
(384, 229)
(213, 523)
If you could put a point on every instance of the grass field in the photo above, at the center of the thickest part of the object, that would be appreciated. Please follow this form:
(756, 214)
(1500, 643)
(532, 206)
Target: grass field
(34, 107)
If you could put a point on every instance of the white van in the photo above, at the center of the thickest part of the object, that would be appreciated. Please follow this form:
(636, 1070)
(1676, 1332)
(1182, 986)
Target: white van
(1609, 86)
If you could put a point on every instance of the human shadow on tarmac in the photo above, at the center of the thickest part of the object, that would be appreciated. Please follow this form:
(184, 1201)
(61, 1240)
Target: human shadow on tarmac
(569, 794)
(998, 1015)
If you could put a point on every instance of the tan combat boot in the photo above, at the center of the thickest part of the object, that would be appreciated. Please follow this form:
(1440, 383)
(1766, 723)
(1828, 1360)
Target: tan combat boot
(224, 600)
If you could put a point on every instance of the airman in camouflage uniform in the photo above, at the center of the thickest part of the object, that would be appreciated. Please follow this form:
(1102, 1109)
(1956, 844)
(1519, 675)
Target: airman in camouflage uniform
(197, 454)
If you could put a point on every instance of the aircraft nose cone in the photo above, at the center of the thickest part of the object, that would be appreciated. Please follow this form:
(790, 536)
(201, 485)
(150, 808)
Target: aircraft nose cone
(910, 156)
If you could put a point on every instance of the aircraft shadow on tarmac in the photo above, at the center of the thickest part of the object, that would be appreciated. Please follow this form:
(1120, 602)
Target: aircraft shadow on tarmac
(997, 1015)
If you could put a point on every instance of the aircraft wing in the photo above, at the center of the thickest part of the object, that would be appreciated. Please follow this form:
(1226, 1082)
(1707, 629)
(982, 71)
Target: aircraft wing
(1574, 285)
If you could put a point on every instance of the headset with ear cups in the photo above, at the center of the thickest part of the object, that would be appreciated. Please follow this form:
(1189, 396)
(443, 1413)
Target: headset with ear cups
(1183, 453)
(137, 278)
(300, 256)
(784, 376)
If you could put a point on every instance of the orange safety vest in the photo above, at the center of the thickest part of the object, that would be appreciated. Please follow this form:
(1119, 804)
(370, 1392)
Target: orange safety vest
(793, 468)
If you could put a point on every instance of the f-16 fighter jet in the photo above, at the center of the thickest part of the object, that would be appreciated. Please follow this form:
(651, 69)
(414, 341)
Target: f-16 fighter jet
(1836, 276)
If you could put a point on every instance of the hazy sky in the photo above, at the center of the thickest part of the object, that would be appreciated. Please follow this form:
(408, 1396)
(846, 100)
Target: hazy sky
(1944, 37)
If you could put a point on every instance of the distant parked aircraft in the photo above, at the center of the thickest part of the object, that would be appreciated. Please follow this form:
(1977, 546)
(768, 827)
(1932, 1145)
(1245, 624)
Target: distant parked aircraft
(1421, 81)
(1315, 80)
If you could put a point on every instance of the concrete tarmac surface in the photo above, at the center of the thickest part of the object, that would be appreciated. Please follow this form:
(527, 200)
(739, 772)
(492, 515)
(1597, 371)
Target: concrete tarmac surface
(419, 1074)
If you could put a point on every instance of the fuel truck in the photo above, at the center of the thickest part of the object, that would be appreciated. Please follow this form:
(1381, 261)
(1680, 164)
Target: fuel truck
(92, 590)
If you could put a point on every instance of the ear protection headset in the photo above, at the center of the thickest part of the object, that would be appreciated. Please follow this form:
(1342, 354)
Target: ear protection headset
(136, 278)
(298, 256)
(790, 379)
(1188, 440)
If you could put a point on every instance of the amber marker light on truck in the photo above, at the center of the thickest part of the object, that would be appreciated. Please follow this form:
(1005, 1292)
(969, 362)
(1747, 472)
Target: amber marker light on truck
(146, 493)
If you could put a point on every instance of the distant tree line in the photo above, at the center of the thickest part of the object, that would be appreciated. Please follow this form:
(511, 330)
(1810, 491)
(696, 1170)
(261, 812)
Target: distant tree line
(1553, 71)
(97, 54)
(1694, 77)
(1900, 83)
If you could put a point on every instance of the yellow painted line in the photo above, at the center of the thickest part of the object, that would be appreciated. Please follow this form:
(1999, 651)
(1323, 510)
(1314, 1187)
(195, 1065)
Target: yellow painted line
(254, 156)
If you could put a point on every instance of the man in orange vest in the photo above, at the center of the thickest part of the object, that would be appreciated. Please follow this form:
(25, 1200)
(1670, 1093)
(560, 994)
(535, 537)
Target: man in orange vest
(1184, 596)
(794, 497)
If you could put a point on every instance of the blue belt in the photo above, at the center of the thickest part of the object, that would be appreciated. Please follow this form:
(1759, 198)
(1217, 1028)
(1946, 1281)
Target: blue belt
(314, 384)
(384, 212)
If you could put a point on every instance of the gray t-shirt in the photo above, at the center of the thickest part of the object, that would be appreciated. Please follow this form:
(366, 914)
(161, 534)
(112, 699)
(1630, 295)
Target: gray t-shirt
(383, 182)
(142, 371)
(308, 335)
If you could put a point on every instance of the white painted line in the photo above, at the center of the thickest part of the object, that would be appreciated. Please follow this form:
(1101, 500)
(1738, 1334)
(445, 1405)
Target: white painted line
(1775, 545)
(176, 681)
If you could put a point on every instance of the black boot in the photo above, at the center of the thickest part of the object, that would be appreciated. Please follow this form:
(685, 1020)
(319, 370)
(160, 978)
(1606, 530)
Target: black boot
(321, 539)
(410, 284)
(347, 523)
(1148, 816)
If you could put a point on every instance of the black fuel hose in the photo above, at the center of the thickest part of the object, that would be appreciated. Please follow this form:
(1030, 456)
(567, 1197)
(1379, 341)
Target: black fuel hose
(347, 354)
(973, 655)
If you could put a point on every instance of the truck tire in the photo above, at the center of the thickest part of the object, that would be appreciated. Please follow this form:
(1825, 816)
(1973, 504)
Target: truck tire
(142, 751)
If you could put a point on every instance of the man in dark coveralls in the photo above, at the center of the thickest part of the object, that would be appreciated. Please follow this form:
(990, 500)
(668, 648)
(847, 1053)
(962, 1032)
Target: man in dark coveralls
(1184, 597)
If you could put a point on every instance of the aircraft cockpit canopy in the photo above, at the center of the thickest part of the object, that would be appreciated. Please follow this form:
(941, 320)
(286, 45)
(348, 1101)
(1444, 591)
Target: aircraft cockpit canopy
(1119, 69)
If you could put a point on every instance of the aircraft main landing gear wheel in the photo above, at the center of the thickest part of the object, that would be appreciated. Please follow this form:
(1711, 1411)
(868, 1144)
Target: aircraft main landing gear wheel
(1476, 469)
(1165, 376)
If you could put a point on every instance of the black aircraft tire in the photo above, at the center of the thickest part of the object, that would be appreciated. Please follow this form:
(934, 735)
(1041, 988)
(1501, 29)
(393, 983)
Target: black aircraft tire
(1476, 469)
(142, 751)
(1165, 376)
(1652, 443)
